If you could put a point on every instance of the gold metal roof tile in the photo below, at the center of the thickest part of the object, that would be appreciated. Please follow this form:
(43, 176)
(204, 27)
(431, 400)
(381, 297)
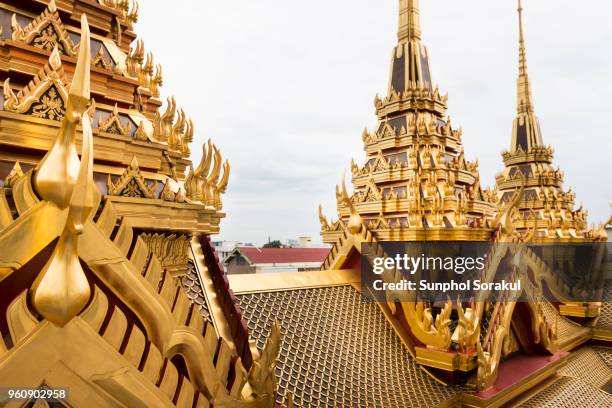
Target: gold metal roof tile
(338, 350)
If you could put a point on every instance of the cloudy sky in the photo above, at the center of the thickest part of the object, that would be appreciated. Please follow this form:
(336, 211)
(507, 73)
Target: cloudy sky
(285, 89)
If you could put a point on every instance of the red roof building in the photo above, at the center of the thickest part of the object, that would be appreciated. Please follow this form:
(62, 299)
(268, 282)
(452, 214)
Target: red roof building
(262, 260)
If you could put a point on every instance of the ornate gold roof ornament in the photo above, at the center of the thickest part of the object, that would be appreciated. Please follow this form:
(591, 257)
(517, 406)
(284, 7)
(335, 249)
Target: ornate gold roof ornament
(156, 82)
(167, 194)
(46, 32)
(194, 183)
(176, 134)
(187, 138)
(172, 191)
(162, 124)
(132, 14)
(146, 71)
(505, 219)
(15, 174)
(355, 222)
(140, 133)
(204, 184)
(61, 290)
(131, 183)
(213, 178)
(468, 329)
(261, 375)
(128, 9)
(221, 186)
(134, 59)
(113, 124)
(45, 96)
(56, 174)
(99, 60)
(323, 219)
(172, 250)
(599, 233)
(91, 110)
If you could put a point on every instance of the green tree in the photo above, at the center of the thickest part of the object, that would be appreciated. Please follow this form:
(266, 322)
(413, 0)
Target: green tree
(274, 244)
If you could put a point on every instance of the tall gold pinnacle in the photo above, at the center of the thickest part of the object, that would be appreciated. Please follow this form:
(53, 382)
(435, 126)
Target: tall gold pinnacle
(524, 95)
(409, 21)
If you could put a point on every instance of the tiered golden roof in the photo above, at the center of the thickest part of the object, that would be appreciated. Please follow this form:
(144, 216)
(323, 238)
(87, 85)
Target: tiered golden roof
(110, 284)
(416, 182)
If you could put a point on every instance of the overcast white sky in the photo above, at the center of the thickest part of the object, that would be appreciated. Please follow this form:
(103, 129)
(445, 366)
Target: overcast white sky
(285, 88)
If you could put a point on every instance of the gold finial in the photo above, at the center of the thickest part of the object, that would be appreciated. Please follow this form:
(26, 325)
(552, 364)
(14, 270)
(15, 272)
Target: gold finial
(62, 290)
(85, 196)
(524, 98)
(57, 172)
(409, 21)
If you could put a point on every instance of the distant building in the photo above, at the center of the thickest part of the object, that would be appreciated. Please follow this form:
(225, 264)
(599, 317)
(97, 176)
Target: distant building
(225, 248)
(263, 260)
(301, 242)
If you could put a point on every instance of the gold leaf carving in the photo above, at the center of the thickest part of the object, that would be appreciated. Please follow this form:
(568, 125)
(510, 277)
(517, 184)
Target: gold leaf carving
(131, 183)
(46, 32)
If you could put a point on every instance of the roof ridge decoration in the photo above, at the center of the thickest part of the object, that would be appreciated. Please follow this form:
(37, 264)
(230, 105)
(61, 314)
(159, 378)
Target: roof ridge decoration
(131, 183)
(45, 96)
(113, 124)
(178, 134)
(46, 31)
(149, 74)
(128, 9)
(206, 184)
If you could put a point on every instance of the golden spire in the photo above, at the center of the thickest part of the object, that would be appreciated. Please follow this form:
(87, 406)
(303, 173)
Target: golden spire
(524, 96)
(409, 21)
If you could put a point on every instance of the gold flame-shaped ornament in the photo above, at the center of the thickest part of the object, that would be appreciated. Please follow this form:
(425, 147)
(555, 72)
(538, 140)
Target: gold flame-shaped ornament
(57, 172)
(62, 290)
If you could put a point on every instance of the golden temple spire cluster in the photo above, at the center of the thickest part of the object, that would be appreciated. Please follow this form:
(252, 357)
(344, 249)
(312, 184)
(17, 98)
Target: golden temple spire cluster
(409, 21)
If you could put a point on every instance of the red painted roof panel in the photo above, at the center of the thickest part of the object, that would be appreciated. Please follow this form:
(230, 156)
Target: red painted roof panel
(284, 255)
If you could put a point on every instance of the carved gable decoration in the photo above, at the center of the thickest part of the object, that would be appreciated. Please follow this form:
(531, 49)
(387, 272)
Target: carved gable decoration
(131, 184)
(113, 124)
(371, 192)
(46, 94)
(46, 32)
(381, 163)
(387, 131)
(100, 61)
